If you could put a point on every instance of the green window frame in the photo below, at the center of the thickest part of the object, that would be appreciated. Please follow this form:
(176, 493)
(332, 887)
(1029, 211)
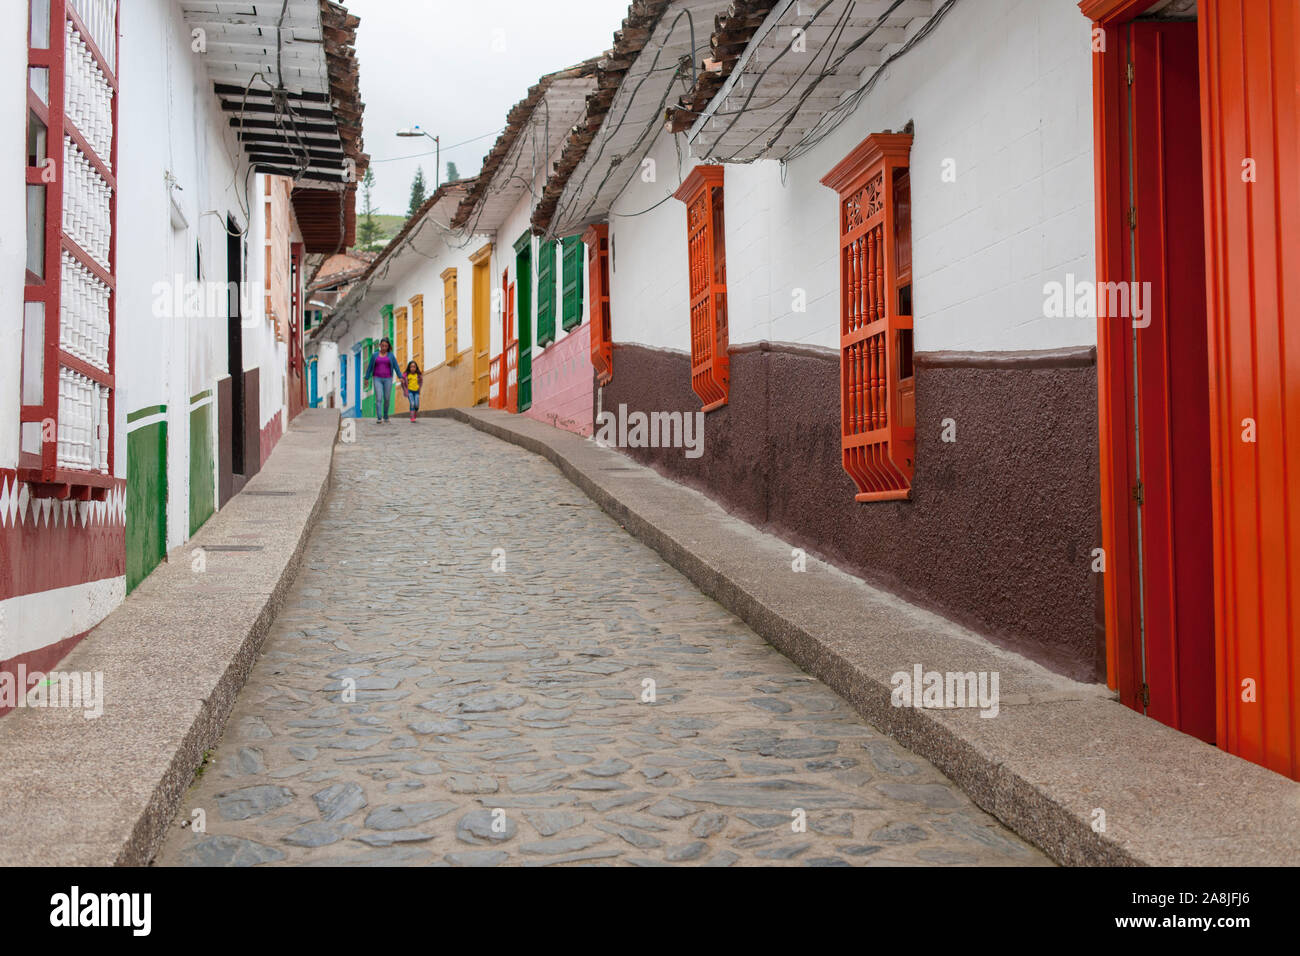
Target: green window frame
(386, 313)
(571, 304)
(546, 293)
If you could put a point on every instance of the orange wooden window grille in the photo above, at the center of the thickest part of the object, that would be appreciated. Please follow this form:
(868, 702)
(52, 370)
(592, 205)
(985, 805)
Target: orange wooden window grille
(602, 346)
(706, 256)
(877, 386)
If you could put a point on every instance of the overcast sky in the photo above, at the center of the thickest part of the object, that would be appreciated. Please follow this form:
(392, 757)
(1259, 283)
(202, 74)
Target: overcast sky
(456, 67)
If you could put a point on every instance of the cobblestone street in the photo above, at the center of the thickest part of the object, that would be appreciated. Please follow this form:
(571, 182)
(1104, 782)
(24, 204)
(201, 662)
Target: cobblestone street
(498, 714)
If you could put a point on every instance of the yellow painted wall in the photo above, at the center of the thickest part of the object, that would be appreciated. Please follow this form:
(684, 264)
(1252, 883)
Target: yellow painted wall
(449, 386)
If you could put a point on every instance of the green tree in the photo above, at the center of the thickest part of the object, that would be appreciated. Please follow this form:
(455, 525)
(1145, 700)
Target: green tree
(452, 174)
(417, 193)
(368, 231)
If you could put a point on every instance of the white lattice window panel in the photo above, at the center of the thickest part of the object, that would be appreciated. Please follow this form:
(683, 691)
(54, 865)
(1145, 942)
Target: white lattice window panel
(83, 314)
(87, 209)
(88, 97)
(68, 366)
(83, 422)
(100, 17)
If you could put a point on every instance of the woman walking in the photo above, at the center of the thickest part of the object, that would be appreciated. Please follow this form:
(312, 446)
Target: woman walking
(414, 379)
(383, 370)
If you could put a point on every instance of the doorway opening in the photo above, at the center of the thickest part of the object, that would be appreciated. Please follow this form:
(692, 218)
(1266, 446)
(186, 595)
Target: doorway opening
(1153, 374)
(235, 344)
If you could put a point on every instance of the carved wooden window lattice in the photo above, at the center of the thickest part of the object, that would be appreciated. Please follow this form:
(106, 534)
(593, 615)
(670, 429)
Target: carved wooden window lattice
(877, 385)
(602, 346)
(706, 252)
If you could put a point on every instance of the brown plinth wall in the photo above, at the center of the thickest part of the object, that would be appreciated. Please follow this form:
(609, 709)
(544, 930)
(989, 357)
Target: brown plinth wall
(1002, 522)
(230, 484)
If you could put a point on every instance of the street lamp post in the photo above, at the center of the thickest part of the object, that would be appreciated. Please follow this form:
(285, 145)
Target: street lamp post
(416, 131)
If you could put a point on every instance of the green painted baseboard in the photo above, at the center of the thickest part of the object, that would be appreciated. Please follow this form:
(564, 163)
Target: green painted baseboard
(203, 473)
(146, 501)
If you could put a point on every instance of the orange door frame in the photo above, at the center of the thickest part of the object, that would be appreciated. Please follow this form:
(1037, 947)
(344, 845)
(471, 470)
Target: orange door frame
(1250, 110)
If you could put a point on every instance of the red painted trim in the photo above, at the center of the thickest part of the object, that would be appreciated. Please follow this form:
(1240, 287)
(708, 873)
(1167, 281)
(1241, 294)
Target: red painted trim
(43, 659)
(87, 260)
(270, 436)
(39, 553)
(48, 290)
(100, 167)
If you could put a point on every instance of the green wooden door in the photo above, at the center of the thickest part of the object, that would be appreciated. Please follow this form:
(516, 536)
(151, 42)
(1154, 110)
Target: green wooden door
(524, 316)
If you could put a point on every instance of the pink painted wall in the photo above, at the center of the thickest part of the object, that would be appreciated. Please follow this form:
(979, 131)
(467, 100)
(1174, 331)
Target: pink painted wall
(563, 383)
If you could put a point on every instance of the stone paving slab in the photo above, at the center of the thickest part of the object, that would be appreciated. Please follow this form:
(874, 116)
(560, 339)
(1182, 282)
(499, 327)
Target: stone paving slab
(1058, 752)
(419, 702)
(173, 655)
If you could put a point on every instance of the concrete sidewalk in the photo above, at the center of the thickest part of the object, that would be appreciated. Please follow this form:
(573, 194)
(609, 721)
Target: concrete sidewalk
(174, 656)
(1057, 752)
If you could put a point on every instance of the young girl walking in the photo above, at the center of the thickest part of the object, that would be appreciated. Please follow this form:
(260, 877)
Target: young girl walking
(414, 379)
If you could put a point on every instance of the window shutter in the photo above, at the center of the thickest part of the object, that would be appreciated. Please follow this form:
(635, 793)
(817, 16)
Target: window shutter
(546, 293)
(399, 339)
(877, 386)
(596, 239)
(67, 388)
(572, 282)
(706, 257)
(449, 313)
(417, 330)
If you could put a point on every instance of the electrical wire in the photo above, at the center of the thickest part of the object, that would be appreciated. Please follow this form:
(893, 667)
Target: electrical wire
(831, 120)
(394, 159)
(830, 71)
(608, 131)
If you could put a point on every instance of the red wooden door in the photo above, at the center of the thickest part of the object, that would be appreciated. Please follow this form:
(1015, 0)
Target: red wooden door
(511, 346)
(1172, 563)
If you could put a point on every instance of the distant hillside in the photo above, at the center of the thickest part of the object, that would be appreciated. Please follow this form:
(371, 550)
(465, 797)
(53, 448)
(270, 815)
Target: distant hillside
(390, 225)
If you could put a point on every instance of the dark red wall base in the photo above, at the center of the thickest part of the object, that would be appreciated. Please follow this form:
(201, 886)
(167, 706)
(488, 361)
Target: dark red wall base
(43, 659)
(1002, 522)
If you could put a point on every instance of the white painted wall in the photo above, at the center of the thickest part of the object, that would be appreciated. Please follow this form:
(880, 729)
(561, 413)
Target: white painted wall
(174, 144)
(172, 129)
(649, 294)
(176, 148)
(1002, 87)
